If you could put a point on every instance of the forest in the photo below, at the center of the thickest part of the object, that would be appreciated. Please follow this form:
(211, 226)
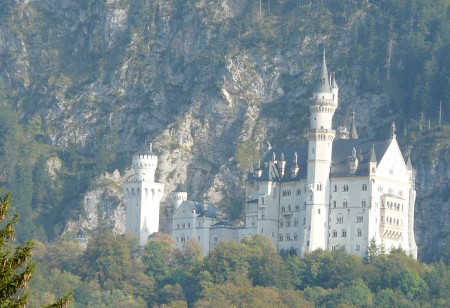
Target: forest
(114, 272)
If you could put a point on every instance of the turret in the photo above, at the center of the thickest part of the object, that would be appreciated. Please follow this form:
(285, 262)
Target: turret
(144, 163)
(373, 161)
(143, 195)
(281, 165)
(179, 196)
(334, 88)
(295, 168)
(353, 131)
(353, 162)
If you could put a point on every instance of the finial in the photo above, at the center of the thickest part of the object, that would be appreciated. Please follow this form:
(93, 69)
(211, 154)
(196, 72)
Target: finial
(282, 156)
(324, 54)
(354, 152)
(268, 145)
(295, 158)
(393, 129)
(274, 156)
(373, 157)
(150, 147)
(259, 164)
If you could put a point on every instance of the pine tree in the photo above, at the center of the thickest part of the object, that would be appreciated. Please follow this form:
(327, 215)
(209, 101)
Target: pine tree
(372, 251)
(16, 268)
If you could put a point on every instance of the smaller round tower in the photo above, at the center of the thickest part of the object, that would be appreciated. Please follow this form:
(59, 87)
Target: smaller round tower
(179, 196)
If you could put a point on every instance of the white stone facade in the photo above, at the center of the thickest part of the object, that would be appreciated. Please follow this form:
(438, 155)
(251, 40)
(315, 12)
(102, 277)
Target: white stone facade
(330, 194)
(143, 196)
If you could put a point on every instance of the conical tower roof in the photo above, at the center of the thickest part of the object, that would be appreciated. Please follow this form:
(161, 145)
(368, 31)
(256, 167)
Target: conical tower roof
(323, 84)
(353, 131)
(333, 81)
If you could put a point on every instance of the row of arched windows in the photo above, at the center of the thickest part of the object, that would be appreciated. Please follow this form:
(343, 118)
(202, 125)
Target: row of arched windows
(183, 225)
(288, 237)
(392, 221)
(286, 192)
(392, 206)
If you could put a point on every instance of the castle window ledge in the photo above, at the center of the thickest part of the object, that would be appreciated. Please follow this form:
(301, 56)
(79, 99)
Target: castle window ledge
(287, 214)
(250, 200)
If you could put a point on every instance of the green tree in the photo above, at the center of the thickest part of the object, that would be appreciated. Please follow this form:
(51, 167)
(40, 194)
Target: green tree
(158, 259)
(16, 268)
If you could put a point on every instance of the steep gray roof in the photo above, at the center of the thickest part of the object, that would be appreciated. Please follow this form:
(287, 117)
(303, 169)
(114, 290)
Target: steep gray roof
(342, 148)
(206, 210)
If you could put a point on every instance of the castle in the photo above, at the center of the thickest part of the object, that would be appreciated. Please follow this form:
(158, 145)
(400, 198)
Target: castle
(336, 192)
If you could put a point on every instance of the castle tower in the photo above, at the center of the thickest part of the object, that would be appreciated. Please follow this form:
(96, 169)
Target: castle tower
(143, 195)
(320, 139)
(179, 196)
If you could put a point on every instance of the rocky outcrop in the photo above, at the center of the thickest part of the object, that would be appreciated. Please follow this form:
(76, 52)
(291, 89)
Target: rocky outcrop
(201, 79)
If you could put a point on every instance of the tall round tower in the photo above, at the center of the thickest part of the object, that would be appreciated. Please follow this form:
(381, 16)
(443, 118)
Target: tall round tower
(320, 142)
(143, 195)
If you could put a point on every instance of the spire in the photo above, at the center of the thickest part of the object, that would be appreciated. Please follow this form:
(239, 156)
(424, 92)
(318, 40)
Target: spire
(393, 130)
(373, 157)
(323, 84)
(353, 132)
(409, 164)
(333, 81)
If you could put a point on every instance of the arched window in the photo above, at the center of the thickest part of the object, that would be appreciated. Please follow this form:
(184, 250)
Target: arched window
(344, 233)
(295, 236)
(295, 222)
(340, 218)
(359, 217)
(281, 223)
(359, 232)
(334, 233)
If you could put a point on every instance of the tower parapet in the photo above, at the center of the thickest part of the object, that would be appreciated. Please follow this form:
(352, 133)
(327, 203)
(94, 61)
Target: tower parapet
(144, 163)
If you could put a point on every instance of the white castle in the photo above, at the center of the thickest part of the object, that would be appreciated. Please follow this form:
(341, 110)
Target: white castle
(335, 193)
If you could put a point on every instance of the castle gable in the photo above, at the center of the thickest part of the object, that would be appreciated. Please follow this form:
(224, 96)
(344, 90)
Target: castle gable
(392, 164)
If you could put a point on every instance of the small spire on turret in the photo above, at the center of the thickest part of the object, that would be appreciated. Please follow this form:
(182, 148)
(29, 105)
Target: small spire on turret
(353, 131)
(409, 164)
(295, 158)
(333, 81)
(373, 157)
(393, 130)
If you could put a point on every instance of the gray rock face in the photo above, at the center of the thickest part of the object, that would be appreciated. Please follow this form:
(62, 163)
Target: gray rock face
(191, 77)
